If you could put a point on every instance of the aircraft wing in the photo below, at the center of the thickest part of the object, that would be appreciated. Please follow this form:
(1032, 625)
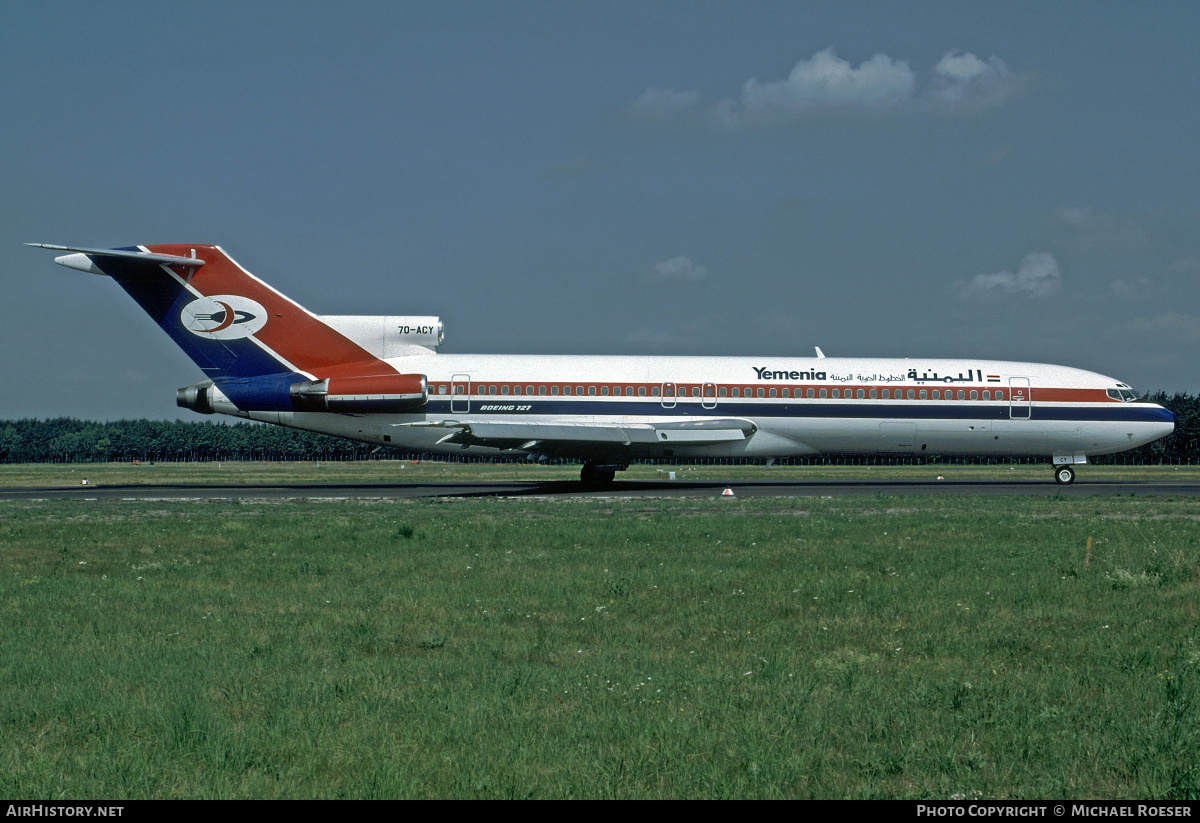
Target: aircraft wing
(565, 437)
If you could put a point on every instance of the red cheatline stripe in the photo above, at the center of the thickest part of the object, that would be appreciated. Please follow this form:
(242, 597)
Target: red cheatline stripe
(796, 392)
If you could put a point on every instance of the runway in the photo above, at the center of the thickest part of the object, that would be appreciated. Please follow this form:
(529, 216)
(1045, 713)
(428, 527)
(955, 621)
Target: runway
(619, 489)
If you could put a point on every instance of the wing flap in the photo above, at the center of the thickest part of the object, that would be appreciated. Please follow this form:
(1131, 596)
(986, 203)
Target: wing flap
(560, 434)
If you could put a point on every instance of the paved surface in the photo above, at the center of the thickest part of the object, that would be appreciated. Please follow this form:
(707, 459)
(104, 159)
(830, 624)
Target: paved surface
(746, 488)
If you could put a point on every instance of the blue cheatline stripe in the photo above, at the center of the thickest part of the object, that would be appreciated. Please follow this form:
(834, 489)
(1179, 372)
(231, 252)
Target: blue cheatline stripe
(163, 298)
(1132, 412)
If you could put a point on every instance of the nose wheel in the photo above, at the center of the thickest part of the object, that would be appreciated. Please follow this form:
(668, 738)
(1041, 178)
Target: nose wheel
(1064, 475)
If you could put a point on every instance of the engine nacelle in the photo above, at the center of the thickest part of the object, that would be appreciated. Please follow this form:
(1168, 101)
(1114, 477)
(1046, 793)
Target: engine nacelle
(370, 393)
(197, 397)
(267, 392)
(387, 337)
(290, 392)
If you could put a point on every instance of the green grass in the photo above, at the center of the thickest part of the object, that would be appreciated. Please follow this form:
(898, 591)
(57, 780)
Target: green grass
(857, 647)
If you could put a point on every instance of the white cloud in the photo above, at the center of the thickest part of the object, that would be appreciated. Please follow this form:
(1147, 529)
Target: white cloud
(650, 337)
(1185, 265)
(1088, 230)
(663, 104)
(1172, 326)
(963, 82)
(828, 84)
(1132, 287)
(824, 82)
(1037, 276)
(677, 268)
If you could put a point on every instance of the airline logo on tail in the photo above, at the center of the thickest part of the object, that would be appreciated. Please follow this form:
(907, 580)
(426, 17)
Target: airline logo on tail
(223, 317)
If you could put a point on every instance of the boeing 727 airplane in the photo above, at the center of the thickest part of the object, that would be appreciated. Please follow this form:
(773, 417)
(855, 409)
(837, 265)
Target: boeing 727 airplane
(380, 380)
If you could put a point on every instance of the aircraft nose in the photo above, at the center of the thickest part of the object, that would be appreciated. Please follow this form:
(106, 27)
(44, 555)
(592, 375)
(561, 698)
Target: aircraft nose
(1167, 422)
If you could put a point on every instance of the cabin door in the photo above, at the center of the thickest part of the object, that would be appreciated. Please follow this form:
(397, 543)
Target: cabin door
(668, 395)
(1018, 398)
(460, 394)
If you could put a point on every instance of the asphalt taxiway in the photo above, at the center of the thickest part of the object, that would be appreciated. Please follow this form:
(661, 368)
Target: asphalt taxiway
(630, 489)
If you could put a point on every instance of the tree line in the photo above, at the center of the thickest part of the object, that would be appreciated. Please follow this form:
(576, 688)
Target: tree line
(68, 440)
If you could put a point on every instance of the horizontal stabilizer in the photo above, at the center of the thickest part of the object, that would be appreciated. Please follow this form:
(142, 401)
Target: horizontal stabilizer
(81, 258)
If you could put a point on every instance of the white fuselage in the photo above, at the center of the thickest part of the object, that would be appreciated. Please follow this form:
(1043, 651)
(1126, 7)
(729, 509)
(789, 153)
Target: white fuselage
(789, 406)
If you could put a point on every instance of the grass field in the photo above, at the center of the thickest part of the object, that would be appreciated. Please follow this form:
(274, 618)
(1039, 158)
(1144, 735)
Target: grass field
(858, 647)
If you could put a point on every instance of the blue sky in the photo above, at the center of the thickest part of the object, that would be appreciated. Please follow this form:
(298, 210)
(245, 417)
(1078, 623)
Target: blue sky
(1011, 181)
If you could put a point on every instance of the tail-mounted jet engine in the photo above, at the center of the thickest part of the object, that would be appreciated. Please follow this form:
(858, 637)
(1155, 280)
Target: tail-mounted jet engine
(373, 393)
(282, 392)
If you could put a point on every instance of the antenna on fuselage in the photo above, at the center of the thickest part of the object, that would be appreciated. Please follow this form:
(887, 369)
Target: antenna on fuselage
(820, 353)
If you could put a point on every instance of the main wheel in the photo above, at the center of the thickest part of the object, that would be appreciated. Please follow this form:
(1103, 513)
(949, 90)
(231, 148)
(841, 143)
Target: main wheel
(1064, 475)
(595, 477)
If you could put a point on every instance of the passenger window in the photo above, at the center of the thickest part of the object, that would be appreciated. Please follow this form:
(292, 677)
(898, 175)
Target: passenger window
(974, 395)
(505, 389)
(987, 395)
(771, 393)
(491, 390)
(911, 394)
(936, 395)
(629, 391)
(823, 393)
(696, 391)
(554, 391)
(787, 392)
(721, 392)
(654, 391)
(872, 394)
(591, 391)
(809, 393)
(529, 390)
(641, 391)
(604, 391)
(859, 394)
(736, 391)
(759, 393)
(835, 394)
(961, 395)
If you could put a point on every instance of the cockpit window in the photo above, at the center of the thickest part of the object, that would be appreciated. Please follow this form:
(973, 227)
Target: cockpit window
(1124, 395)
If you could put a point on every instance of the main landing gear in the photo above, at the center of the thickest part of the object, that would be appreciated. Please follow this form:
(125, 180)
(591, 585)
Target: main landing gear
(1064, 475)
(599, 475)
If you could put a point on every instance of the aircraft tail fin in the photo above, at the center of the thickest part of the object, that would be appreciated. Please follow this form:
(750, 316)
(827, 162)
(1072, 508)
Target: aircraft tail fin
(233, 325)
